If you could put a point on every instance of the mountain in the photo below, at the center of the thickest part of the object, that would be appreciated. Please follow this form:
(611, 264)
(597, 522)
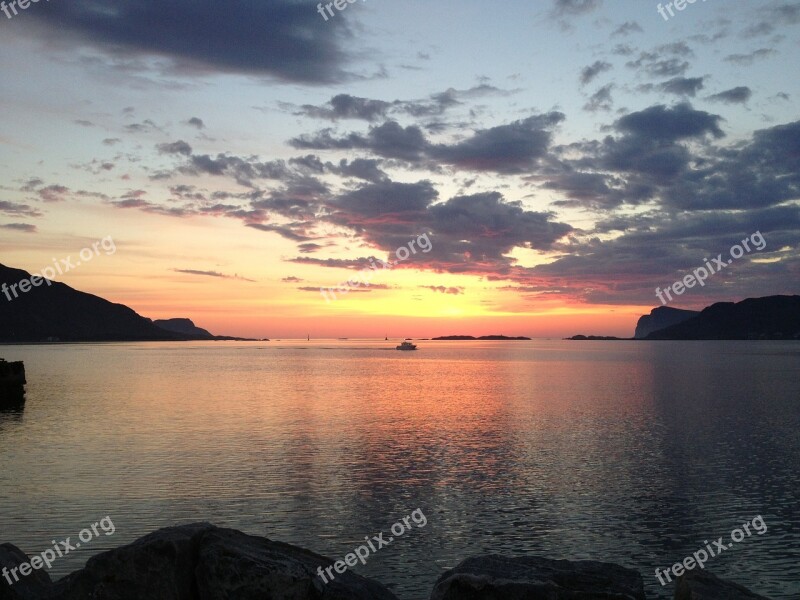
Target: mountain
(184, 326)
(52, 311)
(769, 318)
(660, 318)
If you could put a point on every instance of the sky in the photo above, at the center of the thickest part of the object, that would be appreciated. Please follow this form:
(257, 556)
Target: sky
(526, 168)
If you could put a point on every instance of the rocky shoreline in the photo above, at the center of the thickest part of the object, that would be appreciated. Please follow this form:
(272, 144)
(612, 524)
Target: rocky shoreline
(204, 562)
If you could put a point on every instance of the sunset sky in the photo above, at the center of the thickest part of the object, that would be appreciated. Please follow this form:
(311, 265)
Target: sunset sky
(563, 157)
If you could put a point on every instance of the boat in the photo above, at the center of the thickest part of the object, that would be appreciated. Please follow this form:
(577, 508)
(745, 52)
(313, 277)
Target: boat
(12, 382)
(406, 346)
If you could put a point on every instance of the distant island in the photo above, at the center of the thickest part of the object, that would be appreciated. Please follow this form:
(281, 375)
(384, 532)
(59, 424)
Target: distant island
(483, 337)
(595, 337)
(59, 313)
(768, 318)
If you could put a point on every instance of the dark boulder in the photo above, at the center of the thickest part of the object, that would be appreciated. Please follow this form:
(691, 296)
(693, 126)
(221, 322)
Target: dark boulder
(203, 562)
(496, 577)
(702, 585)
(31, 587)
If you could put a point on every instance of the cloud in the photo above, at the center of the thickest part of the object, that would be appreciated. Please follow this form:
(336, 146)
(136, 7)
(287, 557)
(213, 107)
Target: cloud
(53, 193)
(648, 155)
(628, 28)
(196, 122)
(346, 106)
(683, 86)
(15, 209)
(589, 72)
(512, 148)
(443, 289)
(737, 95)
(212, 274)
(23, 227)
(290, 232)
(749, 59)
(601, 99)
(291, 279)
(179, 147)
(563, 8)
(655, 64)
(669, 124)
(283, 39)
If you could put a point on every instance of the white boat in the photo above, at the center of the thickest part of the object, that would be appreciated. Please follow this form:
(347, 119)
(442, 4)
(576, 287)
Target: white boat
(406, 346)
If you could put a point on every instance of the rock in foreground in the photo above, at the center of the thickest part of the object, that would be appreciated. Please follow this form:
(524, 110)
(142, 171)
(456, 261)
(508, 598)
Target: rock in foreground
(532, 578)
(702, 585)
(203, 562)
(32, 587)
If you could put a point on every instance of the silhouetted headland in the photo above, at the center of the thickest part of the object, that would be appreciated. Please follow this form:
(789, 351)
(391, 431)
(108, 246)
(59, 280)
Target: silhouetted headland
(55, 312)
(768, 318)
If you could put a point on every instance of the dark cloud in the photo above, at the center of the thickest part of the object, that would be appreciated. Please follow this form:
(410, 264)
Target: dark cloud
(601, 99)
(284, 39)
(362, 168)
(179, 147)
(683, 86)
(23, 227)
(658, 248)
(443, 289)
(286, 231)
(564, 8)
(53, 193)
(345, 106)
(655, 64)
(390, 140)
(31, 184)
(589, 72)
(511, 148)
(143, 127)
(196, 122)
(291, 279)
(772, 17)
(661, 123)
(212, 274)
(749, 59)
(761, 173)
(627, 28)
(737, 95)
(648, 156)
(15, 209)
(382, 201)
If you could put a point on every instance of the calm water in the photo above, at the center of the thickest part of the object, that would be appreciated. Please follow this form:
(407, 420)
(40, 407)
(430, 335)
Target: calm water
(628, 452)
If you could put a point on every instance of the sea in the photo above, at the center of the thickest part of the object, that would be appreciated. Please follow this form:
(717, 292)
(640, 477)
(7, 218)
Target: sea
(632, 452)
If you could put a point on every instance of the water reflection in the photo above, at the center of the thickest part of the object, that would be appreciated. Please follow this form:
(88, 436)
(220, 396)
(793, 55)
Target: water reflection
(632, 453)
